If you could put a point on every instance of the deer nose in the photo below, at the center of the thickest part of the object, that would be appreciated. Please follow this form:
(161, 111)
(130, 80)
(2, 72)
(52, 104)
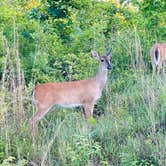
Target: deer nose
(109, 67)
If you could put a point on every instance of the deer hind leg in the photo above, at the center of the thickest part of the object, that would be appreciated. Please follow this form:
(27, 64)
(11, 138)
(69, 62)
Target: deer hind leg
(159, 67)
(88, 108)
(41, 111)
(153, 70)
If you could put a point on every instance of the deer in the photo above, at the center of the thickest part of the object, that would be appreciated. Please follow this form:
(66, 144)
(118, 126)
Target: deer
(82, 93)
(158, 56)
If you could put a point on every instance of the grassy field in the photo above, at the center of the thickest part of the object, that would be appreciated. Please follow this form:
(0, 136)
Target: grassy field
(128, 129)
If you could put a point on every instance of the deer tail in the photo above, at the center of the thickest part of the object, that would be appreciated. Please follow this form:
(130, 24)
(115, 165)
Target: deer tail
(156, 56)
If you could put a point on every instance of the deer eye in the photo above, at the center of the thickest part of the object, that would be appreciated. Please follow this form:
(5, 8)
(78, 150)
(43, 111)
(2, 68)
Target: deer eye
(102, 60)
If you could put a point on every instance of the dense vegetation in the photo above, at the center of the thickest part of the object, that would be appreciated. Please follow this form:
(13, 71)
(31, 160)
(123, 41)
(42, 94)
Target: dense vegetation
(51, 40)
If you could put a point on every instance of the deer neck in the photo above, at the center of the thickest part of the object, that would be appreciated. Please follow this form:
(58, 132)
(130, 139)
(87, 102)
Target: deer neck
(101, 77)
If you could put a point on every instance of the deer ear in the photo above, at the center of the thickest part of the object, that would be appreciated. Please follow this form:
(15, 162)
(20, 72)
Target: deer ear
(109, 53)
(95, 55)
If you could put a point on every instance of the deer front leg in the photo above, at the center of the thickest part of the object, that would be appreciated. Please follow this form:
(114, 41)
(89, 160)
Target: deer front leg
(88, 108)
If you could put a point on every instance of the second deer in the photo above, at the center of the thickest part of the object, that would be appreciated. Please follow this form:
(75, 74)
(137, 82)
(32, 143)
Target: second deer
(158, 56)
(72, 94)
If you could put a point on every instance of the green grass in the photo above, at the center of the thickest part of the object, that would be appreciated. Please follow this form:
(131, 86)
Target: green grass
(130, 131)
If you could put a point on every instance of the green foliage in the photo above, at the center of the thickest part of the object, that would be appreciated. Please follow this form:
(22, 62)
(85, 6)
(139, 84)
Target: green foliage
(154, 15)
(81, 150)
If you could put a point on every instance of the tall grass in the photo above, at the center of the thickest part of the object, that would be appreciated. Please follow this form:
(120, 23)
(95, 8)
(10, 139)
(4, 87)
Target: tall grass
(131, 129)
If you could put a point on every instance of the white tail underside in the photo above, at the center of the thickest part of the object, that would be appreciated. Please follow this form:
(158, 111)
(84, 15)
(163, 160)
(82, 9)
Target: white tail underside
(157, 59)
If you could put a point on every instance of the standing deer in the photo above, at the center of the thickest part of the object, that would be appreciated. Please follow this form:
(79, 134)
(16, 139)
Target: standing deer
(158, 56)
(72, 94)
